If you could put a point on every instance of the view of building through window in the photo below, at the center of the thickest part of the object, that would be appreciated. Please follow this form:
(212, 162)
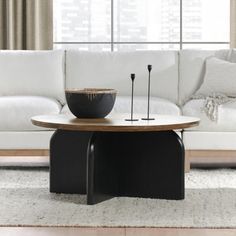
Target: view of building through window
(141, 24)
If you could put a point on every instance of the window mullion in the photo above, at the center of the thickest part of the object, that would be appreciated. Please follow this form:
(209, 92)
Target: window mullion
(112, 25)
(181, 25)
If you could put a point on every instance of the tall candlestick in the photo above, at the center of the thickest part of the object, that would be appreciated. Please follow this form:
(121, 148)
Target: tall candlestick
(149, 67)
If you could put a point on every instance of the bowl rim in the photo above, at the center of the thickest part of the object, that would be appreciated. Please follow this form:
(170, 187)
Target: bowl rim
(92, 91)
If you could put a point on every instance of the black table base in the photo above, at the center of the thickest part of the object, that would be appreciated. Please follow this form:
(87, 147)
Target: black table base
(109, 164)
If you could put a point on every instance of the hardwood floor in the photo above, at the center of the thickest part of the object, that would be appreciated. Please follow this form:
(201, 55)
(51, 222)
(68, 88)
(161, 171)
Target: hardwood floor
(62, 231)
(179, 232)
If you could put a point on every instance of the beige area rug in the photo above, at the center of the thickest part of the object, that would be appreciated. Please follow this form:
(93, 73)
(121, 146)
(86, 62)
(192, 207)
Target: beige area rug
(25, 200)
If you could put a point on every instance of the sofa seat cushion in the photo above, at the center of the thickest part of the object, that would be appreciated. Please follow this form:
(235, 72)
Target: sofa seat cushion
(157, 106)
(226, 116)
(25, 139)
(205, 140)
(16, 111)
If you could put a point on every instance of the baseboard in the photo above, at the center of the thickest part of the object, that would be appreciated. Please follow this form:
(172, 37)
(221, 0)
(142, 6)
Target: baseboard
(222, 158)
(24, 152)
(24, 157)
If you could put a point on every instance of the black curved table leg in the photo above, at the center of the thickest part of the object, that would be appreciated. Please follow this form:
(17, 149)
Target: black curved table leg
(102, 170)
(68, 152)
(135, 164)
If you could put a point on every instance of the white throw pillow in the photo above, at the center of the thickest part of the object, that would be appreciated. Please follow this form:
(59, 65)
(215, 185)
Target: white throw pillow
(33, 73)
(220, 77)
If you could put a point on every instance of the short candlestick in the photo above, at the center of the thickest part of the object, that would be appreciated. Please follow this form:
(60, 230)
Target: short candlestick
(132, 100)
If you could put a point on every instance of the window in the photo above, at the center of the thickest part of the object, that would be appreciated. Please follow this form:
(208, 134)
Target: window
(121, 25)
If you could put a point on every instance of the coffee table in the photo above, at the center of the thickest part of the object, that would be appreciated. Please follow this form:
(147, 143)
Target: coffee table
(110, 157)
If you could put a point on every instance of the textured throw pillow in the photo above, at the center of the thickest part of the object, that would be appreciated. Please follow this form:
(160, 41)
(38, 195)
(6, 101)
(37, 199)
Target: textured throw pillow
(220, 77)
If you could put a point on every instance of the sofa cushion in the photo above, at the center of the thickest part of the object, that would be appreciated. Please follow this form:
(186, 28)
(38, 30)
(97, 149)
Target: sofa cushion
(219, 78)
(232, 55)
(34, 73)
(113, 69)
(192, 70)
(25, 139)
(157, 106)
(226, 116)
(209, 141)
(16, 111)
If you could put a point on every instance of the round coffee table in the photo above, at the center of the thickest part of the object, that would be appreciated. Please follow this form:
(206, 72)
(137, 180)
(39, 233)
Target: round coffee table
(110, 157)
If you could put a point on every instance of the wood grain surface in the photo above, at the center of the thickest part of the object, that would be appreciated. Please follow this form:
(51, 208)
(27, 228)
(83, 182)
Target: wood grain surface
(115, 123)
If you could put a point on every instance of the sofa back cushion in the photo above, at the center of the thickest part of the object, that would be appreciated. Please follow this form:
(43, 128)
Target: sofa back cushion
(113, 69)
(38, 73)
(192, 70)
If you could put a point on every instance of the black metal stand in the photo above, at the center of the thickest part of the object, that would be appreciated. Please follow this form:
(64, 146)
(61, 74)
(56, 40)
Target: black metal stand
(149, 85)
(109, 164)
(132, 100)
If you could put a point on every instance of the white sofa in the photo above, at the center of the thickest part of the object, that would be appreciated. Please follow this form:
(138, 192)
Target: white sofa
(32, 83)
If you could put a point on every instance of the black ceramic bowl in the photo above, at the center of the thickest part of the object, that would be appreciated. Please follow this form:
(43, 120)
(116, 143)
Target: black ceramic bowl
(90, 102)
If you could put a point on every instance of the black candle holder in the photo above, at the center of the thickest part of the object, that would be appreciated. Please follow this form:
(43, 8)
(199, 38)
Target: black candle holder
(149, 67)
(132, 76)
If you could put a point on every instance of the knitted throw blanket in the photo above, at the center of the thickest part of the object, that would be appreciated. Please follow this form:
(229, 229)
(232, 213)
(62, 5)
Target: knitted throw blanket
(212, 102)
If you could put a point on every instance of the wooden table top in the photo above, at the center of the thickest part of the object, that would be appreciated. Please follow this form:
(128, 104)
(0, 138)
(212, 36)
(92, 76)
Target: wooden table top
(115, 123)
